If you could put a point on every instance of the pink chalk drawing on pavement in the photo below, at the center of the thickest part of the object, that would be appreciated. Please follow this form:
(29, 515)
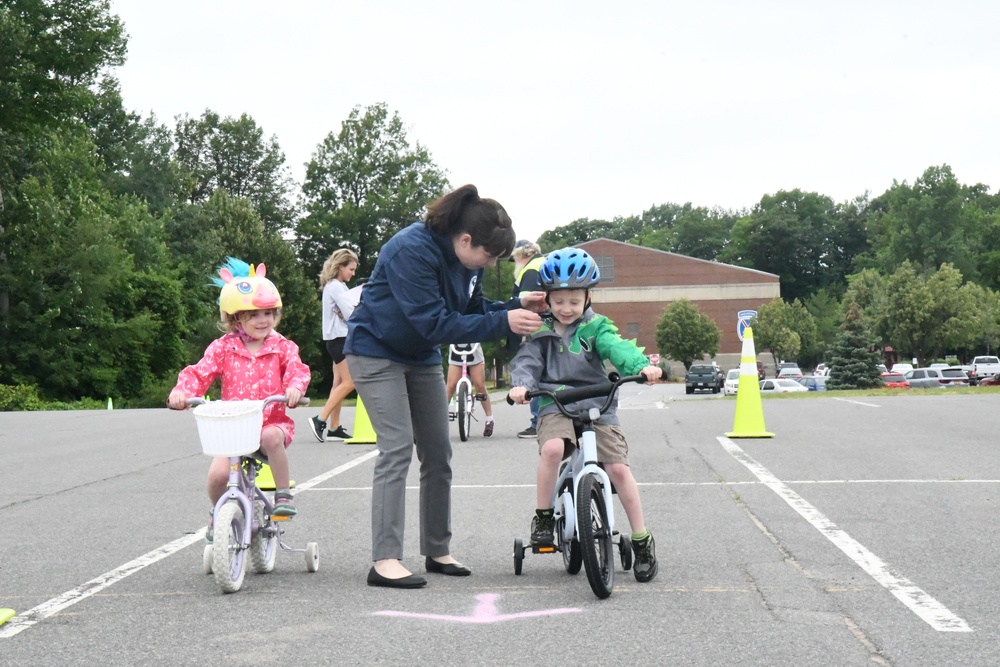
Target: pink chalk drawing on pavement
(486, 612)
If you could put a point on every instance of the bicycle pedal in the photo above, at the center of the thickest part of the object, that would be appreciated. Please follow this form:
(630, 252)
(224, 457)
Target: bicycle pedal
(280, 518)
(543, 549)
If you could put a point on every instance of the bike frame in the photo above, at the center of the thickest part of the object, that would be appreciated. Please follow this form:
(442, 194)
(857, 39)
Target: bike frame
(582, 462)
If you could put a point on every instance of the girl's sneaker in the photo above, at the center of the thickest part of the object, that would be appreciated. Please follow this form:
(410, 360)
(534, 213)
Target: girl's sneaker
(284, 504)
(210, 531)
(488, 430)
(339, 433)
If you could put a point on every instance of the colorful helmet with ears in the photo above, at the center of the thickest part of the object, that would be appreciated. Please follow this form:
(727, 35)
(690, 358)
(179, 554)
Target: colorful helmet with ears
(245, 288)
(568, 268)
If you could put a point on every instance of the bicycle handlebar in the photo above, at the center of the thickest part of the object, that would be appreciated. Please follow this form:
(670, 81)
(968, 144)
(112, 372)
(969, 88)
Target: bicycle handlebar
(572, 395)
(197, 400)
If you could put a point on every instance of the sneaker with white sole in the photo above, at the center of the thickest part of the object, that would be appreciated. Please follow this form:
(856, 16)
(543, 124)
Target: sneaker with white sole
(339, 433)
(318, 428)
(645, 567)
(530, 432)
(488, 429)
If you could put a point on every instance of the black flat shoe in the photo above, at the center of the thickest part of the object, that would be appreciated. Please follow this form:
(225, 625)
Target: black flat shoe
(409, 581)
(450, 569)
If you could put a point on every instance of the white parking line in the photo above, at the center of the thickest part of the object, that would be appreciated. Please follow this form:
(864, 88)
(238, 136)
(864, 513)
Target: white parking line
(25, 620)
(847, 400)
(919, 602)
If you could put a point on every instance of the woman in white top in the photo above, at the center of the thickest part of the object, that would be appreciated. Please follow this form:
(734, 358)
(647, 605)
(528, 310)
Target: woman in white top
(338, 305)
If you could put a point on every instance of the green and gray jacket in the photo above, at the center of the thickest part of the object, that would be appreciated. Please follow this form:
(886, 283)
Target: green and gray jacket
(547, 360)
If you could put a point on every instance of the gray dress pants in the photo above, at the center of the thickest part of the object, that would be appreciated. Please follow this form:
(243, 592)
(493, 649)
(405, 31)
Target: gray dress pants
(408, 407)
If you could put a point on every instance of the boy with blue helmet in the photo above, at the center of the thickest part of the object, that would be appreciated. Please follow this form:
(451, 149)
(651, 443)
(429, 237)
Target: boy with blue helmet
(569, 350)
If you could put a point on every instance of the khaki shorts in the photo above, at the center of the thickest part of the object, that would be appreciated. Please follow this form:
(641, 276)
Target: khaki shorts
(611, 445)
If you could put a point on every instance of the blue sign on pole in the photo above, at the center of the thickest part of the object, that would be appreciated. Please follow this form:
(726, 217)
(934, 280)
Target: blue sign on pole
(743, 321)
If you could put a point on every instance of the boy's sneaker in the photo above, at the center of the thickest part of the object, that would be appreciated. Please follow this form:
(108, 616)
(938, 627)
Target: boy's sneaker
(338, 433)
(284, 504)
(644, 567)
(488, 429)
(543, 526)
(530, 432)
(318, 428)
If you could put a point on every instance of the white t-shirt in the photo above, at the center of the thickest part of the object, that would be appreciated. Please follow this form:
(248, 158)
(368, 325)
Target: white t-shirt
(338, 305)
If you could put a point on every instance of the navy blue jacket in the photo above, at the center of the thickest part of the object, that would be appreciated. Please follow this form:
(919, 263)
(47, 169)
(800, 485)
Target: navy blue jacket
(419, 297)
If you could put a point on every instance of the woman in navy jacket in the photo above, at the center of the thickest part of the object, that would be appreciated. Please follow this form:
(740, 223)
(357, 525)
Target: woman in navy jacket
(426, 290)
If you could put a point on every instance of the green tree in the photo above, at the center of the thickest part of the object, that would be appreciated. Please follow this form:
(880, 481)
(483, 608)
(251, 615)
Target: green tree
(854, 358)
(787, 330)
(577, 232)
(929, 224)
(686, 230)
(232, 154)
(686, 334)
(363, 184)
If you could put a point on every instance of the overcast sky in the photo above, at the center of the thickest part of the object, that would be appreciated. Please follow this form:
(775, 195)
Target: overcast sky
(567, 110)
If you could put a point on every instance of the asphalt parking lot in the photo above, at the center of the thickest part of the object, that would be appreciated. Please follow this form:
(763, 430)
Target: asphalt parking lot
(863, 533)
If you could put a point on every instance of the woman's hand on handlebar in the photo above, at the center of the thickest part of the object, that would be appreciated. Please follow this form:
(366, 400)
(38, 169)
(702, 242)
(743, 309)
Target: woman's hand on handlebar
(523, 321)
(651, 373)
(516, 394)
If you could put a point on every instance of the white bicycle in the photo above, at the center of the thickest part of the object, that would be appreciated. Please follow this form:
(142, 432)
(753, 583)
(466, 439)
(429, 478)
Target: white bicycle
(582, 500)
(465, 397)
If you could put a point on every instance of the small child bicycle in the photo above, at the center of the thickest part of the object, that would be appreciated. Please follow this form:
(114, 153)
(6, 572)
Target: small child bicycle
(242, 519)
(465, 397)
(582, 501)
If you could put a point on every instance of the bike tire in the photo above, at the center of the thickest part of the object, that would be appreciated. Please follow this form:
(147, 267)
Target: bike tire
(228, 555)
(572, 557)
(464, 412)
(596, 542)
(263, 541)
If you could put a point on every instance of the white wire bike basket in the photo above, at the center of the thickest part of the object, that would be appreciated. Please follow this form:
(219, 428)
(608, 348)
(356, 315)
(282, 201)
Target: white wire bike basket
(229, 428)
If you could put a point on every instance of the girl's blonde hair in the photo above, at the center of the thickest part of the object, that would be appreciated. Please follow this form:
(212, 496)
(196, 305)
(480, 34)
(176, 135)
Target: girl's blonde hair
(228, 322)
(334, 263)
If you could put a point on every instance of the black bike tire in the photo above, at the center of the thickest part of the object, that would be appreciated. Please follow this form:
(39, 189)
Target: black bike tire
(464, 418)
(595, 536)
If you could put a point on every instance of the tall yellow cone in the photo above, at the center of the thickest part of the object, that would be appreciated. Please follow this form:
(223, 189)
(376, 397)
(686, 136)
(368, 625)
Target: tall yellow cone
(6, 615)
(364, 434)
(265, 479)
(111, 406)
(749, 421)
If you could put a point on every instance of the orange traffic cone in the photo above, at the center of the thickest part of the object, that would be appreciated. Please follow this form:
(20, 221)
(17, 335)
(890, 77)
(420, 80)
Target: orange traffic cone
(364, 433)
(749, 420)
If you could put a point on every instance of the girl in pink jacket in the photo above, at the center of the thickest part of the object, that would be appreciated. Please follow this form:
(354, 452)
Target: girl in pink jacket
(254, 362)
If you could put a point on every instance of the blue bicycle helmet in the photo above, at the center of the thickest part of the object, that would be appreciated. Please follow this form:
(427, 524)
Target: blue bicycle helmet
(568, 268)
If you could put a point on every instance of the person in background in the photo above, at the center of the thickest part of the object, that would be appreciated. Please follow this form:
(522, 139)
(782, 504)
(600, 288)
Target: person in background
(425, 290)
(527, 257)
(476, 364)
(254, 362)
(338, 305)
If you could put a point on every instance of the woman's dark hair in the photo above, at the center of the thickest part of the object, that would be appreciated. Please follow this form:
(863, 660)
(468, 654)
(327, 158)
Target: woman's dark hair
(463, 211)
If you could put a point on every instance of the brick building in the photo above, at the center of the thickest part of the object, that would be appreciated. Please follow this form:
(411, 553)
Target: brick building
(637, 283)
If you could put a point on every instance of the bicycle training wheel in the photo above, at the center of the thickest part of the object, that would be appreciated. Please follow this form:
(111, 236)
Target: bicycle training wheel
(595, 536)
(464, 412)
(228, 557)
(263, 541)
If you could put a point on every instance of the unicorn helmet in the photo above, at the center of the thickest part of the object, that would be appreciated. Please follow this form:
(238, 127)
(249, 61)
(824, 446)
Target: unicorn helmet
(245, 287)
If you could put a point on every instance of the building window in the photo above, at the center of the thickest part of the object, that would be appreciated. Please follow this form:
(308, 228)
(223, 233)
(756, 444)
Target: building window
(632, 329)
(606, 265)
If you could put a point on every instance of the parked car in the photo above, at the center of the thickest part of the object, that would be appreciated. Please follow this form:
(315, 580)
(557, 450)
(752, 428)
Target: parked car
(985, 366)
(822, 369)
(894, 381)
(881, 368)
(935, 377)
(991, 381)
(790, 372)
(780, 386)
(937, 365)
(703, 377)
(813, 382)
(901, 368)
(732, 382)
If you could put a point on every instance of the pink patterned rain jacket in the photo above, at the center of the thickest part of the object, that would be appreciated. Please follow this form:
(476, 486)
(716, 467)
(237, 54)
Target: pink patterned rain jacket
(248, 376)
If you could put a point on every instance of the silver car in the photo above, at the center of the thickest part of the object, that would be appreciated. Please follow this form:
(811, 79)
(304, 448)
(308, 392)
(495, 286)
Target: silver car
(936, 377)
